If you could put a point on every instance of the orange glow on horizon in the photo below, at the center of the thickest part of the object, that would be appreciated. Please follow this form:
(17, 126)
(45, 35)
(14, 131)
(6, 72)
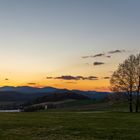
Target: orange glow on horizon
(97, 85)
(85, 85)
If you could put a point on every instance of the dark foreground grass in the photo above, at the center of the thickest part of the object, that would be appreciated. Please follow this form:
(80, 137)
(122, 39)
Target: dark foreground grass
(69, 126)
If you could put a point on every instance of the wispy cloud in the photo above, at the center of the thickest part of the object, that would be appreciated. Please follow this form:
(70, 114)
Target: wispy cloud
(31, 83)
(49, 77)
(116, 51)
(69, 77)
(93, 56)
(6, 79)
(91, 78)
(98, 63)
(99, 55)
(104, 54)
(106, 77)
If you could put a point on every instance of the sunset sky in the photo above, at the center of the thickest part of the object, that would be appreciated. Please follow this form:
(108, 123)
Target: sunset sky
(73, 44)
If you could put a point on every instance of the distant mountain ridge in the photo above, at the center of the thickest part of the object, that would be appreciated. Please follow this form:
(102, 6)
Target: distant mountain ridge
(27, 89)
(26, 93)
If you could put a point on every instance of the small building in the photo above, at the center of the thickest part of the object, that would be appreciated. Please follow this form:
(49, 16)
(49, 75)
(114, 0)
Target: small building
(46, 107)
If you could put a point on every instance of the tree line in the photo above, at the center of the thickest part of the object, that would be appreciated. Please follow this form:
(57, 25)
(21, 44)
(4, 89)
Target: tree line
(125, 81)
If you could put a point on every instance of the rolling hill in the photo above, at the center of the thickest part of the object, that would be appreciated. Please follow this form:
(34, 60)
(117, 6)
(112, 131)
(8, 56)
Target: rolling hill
(26, 93)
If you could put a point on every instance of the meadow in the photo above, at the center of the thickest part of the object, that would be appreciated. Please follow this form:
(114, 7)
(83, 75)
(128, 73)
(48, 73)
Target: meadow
(70, 125)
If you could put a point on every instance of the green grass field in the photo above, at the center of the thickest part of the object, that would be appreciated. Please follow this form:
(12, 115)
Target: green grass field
(69, 126)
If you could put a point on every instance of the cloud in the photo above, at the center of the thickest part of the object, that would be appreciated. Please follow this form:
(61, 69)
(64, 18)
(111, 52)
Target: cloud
(99, 55)
(6, 79)
(116, 51)
(106, 77)
(69, 77)
(98, 63)
(31, 83)
(84, 57)
(91, 78)
(49, 77)
(93, 56)
(108, 56)
(104, 54)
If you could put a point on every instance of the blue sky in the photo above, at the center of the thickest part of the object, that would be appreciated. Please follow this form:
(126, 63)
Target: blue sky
(49, 37)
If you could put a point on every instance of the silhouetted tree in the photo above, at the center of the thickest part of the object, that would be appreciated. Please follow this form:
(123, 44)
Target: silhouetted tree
(137, 82)
(124, 78)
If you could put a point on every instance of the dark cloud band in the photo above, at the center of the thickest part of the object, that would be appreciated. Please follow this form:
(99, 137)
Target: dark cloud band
(69, 77)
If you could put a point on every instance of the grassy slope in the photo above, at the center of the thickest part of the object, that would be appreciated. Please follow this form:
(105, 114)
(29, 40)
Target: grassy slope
(69, 126)
(91, 105)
